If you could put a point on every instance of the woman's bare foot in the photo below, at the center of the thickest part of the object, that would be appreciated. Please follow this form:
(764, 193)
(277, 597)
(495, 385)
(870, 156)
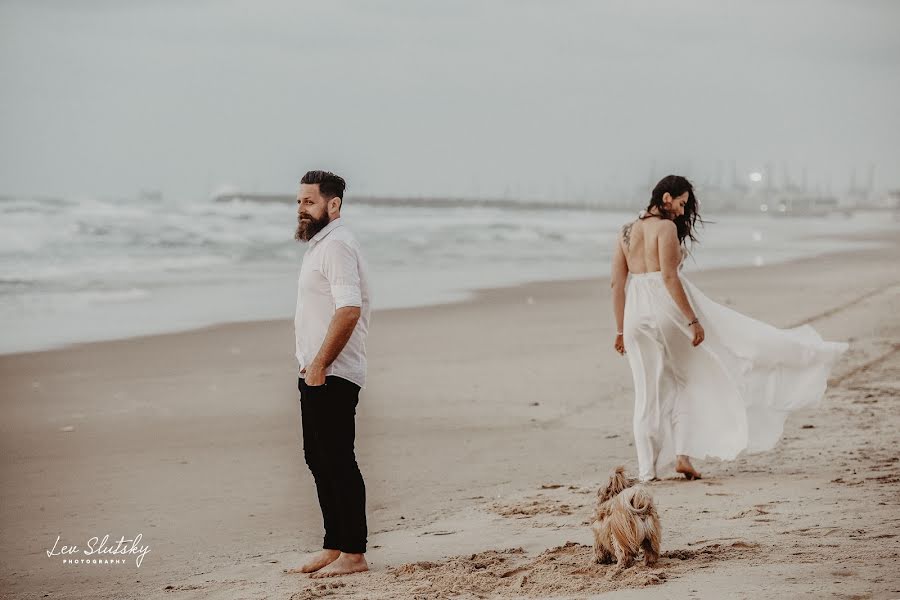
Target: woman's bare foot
(344, 565)
(316, 561)
(683, 465)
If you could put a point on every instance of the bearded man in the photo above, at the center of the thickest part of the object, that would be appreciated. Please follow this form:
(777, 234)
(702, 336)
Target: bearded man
(330, 324)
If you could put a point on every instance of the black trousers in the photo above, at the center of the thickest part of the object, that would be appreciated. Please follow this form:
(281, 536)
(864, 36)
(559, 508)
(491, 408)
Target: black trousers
(328, 415)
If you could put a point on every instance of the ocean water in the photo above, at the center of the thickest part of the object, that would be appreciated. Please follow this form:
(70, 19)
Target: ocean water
(82, 269)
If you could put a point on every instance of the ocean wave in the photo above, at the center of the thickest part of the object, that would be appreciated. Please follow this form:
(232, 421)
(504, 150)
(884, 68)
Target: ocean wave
(109, 296)
(68, 301)
(103, 268)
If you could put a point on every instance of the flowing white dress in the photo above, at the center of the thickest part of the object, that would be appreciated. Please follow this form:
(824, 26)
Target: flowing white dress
(730, 394)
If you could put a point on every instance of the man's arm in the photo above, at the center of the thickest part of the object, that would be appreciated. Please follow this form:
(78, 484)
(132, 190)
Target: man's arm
(339, 331)
(341, 268)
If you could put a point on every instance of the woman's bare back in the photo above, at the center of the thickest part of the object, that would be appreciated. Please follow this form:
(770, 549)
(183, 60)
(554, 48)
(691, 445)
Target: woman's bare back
(640, 244)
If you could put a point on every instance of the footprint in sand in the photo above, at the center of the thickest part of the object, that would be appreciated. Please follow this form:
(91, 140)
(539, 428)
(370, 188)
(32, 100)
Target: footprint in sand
(750, 512)
(182, 588)
(533, 507)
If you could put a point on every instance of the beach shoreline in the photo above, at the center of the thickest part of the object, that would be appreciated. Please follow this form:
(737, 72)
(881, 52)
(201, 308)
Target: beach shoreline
(139, 291)
(472, 408)
(474, 295)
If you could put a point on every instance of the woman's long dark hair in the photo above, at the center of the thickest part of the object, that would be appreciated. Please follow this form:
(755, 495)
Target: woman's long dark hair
(676, 185)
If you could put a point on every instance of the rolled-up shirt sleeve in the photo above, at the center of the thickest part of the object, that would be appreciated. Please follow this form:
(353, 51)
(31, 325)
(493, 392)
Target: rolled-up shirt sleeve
(340, 266)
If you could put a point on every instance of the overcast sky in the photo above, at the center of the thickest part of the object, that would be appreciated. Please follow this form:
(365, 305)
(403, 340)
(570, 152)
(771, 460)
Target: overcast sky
(442, 98)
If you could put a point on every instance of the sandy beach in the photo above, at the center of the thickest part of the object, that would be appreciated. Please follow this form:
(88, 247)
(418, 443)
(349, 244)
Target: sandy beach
(483, 434)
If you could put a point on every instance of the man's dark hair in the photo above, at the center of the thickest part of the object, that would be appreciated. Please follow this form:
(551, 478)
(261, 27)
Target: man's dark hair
(330, 185)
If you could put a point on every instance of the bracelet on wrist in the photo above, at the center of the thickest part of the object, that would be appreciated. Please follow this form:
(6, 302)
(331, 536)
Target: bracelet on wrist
(694, 322)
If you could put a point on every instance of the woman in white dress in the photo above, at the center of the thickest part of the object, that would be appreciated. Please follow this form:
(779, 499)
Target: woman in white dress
(708, 381)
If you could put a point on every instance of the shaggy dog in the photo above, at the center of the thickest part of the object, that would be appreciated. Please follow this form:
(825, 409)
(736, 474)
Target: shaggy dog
(625, 522)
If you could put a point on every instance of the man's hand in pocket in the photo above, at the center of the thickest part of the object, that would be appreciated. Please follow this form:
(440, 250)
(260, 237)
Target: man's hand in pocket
(315, 375)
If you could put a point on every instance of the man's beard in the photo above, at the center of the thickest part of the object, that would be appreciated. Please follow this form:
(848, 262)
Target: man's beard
(307, 229)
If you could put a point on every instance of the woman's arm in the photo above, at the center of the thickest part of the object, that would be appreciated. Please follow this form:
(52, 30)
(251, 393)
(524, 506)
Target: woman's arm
(669, 259)
(618, 277)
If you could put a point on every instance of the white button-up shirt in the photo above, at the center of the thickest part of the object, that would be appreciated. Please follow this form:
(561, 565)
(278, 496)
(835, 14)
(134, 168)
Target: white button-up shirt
(333, 275)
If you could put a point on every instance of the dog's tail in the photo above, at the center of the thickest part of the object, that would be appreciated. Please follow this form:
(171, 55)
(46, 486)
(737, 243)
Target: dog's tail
(639, 502)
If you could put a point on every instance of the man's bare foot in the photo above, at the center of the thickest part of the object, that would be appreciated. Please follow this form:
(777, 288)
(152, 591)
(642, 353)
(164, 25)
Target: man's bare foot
(683, 465)
(344, 565)
(316, 561)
